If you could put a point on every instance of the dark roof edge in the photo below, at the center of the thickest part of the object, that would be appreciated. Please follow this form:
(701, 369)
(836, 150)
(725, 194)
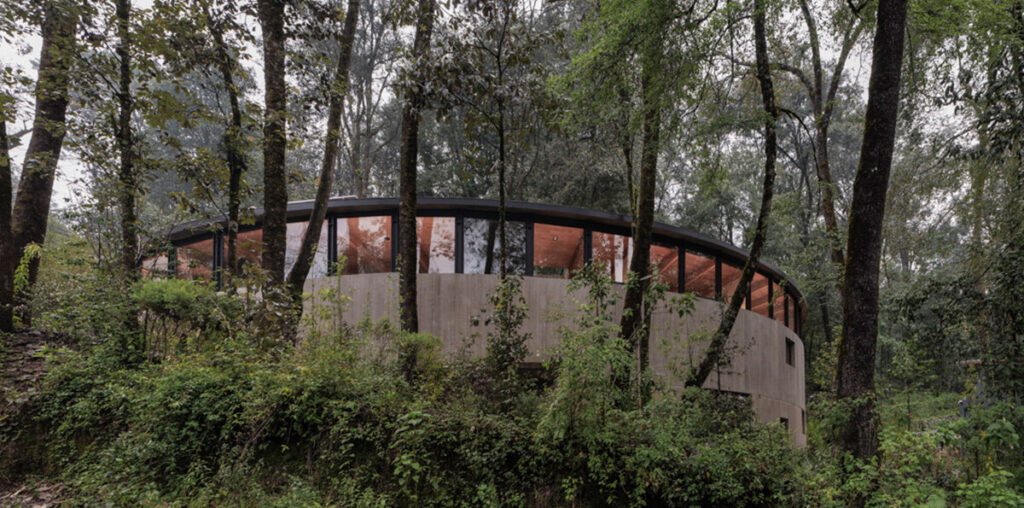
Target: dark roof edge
(301, 209)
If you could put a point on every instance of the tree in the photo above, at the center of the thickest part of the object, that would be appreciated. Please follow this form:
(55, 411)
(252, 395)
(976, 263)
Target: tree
(126, 146)
(339, 87)
(636, 316)
(716, 349)
(856, 365)
(275, 178)
(234, 137)
(414, 101)
(32, 204)
(6, 261)
(372, 115)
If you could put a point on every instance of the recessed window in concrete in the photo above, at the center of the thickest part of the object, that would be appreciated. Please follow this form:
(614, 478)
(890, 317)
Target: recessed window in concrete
(700, 274)
(195, 260)
(784, 422)
(759, 294)
(790, 351)
(614, 253)
(482, 246)
(364, 244)
(557, 250)
(436, 238)
(666, 261)
(295, 232)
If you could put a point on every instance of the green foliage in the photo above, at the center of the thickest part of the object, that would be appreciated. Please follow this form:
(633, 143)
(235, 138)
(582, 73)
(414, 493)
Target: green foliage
(177, 311)
(333, 421)
(990, 491)
(506, 344)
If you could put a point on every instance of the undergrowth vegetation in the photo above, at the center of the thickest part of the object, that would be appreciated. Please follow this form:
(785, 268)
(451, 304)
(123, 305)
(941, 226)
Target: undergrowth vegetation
(213, 412)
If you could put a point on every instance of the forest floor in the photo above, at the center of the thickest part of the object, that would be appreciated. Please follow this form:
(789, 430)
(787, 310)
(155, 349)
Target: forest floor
(23, 363)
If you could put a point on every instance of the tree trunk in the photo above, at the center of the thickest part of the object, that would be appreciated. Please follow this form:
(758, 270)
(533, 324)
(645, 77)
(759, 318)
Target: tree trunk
(234, 146)
(715, 354)
(6, 261)
(636, 310)
(414, 102)
(32, 204)
(126, 146)
(856, 368)
(275, 178)
(823, 102)
(502, 233)
(339, 87)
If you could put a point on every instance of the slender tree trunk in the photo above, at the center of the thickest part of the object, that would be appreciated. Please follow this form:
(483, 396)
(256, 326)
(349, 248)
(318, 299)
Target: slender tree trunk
(339, 87)
(414, 102)
(32, 204)
(715, 354)
(234, 146)
(275, 178)
(502, 234)
(823, 102)
(636, 310)
(856, 368)
(126, 146)
(6, 239)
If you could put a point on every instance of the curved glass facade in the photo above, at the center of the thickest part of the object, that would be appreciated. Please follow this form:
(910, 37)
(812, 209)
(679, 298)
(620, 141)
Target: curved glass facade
(465, 239)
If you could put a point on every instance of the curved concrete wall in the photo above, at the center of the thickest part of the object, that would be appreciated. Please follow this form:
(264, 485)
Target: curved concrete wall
(448, 304)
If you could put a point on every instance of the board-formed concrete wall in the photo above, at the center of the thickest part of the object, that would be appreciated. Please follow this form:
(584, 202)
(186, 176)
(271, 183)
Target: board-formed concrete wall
(452, 306)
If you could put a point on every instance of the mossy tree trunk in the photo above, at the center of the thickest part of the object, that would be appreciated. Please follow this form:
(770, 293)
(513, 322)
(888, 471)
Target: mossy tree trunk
(339, 87)
(413, 104)
(275, 180)
(716, 352)
(32, 204)
(856, 368)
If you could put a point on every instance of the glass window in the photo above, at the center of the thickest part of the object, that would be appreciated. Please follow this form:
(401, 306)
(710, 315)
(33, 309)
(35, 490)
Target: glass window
(483, 247)
(195, 260)
(700, 275)
(778, 303)
(759, 294)
(296, 230)
(249, 248)
(666, 261)
(364, 244)
(730, 279)
(155, 266)
(614, 253)
(557, 250)
(436, 237)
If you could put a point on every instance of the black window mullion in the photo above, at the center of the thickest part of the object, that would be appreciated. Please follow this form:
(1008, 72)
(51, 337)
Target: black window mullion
(588, 245)
(172, 261)
(395, 232)
(529, 247)
(218, 258)
(332, 245)
(785, 306)
(681, 282)
(460, 243)
(718, 278)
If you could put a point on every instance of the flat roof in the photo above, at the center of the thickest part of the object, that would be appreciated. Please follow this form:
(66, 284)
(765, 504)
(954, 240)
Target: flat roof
(346, 206)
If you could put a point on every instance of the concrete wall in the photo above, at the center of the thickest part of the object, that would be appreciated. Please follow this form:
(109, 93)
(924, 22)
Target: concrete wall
(450, 304)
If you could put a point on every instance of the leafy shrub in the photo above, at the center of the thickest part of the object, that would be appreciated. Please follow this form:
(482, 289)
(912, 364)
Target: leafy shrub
(176, 311)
